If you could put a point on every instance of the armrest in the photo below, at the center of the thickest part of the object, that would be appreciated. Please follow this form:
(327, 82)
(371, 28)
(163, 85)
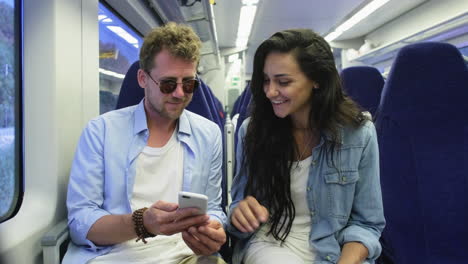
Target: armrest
(52, 240)
(56, 235)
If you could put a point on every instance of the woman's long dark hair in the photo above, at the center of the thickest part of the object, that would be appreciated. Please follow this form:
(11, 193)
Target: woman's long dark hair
(269, 145)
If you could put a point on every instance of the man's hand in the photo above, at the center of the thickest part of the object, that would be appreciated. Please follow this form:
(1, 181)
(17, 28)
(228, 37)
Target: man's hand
(248, 215)
(205, 240)
(164, 218)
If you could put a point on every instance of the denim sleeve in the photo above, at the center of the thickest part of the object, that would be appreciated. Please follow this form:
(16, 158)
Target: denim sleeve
(85, 187)
(213, 189)
(239, 182)
(367, 219)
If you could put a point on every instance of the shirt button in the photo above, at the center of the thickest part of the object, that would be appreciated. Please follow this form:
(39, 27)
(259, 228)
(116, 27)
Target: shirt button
(312, 213)
(314, 162)
(343, 179)
(308, 189)
(328, 258)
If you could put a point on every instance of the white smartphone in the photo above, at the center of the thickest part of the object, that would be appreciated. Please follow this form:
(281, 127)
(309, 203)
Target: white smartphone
(189, 199)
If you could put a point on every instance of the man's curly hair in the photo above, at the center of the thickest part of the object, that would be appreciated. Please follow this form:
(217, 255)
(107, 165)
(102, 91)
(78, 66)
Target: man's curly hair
(180, 40)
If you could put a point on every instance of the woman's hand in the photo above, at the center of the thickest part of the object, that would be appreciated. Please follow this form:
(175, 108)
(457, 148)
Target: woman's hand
(248, 215)
(353, 253)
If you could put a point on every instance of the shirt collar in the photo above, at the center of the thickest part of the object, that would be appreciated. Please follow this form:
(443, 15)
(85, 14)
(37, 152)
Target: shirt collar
(184, 124)
(140, 123)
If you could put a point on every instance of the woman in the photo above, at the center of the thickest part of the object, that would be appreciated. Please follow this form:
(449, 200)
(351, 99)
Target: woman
(307, 186)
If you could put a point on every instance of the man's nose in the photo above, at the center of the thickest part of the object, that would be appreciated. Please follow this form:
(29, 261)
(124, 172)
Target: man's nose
(179, 91)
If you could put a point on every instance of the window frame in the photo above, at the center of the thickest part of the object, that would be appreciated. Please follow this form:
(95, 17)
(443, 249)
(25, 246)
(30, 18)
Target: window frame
(18, 192)
(123, 19)
(19, 153)
(130, 27)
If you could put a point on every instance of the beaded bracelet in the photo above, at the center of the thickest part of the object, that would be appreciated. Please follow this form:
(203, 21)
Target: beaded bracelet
(140, 229)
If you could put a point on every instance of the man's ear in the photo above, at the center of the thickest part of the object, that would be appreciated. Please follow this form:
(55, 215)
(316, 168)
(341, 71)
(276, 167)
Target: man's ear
(142, 78)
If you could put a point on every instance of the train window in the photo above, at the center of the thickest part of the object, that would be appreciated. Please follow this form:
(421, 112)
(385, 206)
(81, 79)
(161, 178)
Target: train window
(119, 46)
(464, 50)
(10, 109)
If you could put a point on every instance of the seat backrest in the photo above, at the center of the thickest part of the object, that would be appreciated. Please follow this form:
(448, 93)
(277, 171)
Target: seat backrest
(130, 93)
(210, 100)
(200, 103)
(244, 110)
(236, 107)
(364, 84)
(220, 109)
(423, 136)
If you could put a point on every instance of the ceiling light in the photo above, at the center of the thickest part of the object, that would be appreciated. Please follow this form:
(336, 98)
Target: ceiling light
(233, 57)
(249, 2)
(247, 16)
(356, 18)
(123, 34)
(111, 73)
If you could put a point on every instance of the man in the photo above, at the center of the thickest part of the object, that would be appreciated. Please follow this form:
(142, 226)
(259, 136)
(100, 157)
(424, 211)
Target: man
(142, 156)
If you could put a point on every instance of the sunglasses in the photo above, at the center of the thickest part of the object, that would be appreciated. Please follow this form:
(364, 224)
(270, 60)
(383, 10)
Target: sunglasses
(169, 86)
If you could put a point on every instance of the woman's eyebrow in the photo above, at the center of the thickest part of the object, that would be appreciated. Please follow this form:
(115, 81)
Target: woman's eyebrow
(278, 75)
(282, 75)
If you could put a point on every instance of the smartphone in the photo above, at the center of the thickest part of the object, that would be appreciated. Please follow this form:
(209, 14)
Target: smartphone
(189, 199)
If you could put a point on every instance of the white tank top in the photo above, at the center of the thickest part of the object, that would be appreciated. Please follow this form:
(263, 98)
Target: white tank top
(298, 239)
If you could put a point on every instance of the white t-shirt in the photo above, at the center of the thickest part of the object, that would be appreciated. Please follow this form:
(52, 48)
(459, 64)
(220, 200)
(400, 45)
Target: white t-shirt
(159, 175)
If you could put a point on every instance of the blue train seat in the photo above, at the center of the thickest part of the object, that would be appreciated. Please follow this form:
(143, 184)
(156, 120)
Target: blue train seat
(220, 109)
(205, 92)
(244, 110)
(217, 106)
(130, 93)
(422, 128)
(364, 84)
(236, 106)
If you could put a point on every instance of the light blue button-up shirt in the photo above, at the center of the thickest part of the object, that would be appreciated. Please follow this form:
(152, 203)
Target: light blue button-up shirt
(345, 202)
(104, 169)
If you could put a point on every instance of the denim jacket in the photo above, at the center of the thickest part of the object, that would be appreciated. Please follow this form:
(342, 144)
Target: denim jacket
(344, 200)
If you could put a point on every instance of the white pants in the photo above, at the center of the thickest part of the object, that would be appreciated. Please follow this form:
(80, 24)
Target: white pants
(264, 252)
(266, 249)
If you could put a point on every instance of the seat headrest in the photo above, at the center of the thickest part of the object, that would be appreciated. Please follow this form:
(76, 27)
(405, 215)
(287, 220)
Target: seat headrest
(364, 84)
(427, 79)
(130, 93)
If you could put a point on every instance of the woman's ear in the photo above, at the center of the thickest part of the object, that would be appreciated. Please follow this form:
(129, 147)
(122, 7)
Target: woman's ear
(315, 86)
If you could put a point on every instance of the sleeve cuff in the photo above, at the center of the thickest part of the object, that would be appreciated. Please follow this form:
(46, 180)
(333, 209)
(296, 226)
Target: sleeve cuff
(79, 230)
(366, 237)
(217, 217)
(231, 229)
